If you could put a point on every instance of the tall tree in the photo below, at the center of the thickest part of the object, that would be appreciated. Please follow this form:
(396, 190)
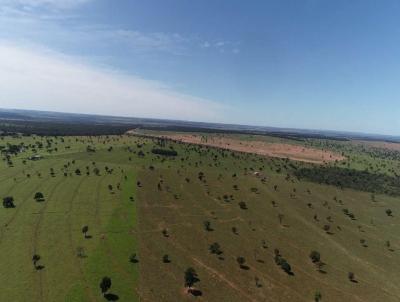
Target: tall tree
(105, 285)
(85, 229)
(190, 277)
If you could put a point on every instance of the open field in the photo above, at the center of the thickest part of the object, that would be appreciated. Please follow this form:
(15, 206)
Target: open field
(201, 207)
(52, 229)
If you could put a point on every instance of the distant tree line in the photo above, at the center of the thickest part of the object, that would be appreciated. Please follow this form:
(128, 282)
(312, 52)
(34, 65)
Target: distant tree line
(353, 179)
(63, 129)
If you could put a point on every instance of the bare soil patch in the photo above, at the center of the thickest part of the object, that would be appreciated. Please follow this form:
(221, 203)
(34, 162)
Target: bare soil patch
(281, 150)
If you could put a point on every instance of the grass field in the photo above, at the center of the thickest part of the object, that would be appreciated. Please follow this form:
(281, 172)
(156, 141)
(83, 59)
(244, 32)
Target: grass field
(155, 206)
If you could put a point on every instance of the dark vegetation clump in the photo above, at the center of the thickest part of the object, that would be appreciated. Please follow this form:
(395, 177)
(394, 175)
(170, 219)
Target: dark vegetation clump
(282, 262)
(8, 202)
(39, 196)
(191, 277)
(165, 152)
(353, 179)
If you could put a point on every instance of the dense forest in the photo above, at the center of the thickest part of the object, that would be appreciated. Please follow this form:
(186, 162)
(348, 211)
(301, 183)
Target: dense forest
(350, 178)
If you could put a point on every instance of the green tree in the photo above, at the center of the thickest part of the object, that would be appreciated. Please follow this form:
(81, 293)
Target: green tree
(243, 205)
(85, 229)
(35, 260)
(207, 226)
(286, 266)
(215, 248)
(105, 285)
(133, 258)
(39, 196)
(317, 296)
(241, 261)
(315, 256)
(190, 277)
(8, 202)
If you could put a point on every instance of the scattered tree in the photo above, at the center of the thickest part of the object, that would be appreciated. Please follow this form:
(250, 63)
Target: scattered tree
(35, 260)
(243, 205)
(190, 277)
(8, 202)
(207, 226)
(133, 258)
(317, 296)
(215, 248)
(315, 256)
(39, 196)
(105, 285)
(166, 259)
(85, 229)
(241, 261)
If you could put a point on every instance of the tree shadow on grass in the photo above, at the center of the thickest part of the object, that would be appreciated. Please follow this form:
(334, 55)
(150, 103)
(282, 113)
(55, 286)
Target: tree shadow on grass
(111, 297)
(195, 292)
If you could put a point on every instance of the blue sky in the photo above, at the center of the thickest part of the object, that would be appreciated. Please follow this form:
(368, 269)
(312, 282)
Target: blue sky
(311, 64)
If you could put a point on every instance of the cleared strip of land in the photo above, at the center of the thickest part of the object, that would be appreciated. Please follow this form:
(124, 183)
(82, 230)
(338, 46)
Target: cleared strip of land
(281, 150)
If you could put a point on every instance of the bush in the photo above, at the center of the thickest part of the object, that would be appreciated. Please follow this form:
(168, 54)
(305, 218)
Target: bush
(133, 258)
(215, 248)
(190, 277)
(241, 261)
(279, 260)
(39, 196)
(286, 266)
(243, 205)
(315, 256)
(8, 202)
(166, 259)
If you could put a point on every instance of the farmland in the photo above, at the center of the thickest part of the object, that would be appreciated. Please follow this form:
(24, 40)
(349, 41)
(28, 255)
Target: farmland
(237, 218)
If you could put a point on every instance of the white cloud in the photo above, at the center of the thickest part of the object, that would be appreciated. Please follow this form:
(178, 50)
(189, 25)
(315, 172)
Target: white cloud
(32, 78)
(136, 40)
(55, 22)
(51, 4)
(205, 44)
(223, 46)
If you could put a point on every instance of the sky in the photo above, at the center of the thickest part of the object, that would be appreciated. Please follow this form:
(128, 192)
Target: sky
(311, 64)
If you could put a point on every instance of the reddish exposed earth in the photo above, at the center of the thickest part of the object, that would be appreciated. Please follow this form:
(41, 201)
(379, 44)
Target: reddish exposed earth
(281, 150)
